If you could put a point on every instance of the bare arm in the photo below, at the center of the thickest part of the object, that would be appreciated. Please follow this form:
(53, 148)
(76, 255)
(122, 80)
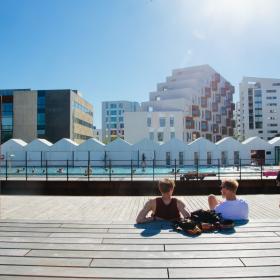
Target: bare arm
(182, 209)
(142, 216)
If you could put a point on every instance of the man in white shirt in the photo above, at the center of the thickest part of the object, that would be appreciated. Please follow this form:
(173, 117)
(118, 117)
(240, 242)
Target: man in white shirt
(231, 208)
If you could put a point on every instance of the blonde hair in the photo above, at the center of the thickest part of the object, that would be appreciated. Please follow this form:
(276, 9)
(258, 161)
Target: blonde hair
(230, 184)
(166, 185)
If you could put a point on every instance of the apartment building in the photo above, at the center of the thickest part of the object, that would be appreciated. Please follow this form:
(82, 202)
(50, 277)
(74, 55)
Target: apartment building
(50, 114)
(113, 118)
(203, 98)
(236, 117)
(259, 107)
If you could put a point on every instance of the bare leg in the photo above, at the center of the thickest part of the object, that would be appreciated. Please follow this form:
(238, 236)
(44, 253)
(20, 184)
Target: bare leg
(212, 201)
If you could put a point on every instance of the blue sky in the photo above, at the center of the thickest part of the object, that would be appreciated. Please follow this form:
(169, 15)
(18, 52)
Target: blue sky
(120, 49)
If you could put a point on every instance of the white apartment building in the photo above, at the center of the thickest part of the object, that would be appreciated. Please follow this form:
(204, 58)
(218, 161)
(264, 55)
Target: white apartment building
(157, 126)
(203, 98)
(236, 117)
(259, 107)
(113, 118)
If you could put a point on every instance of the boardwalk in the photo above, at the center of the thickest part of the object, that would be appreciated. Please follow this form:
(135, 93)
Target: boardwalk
(95, 238)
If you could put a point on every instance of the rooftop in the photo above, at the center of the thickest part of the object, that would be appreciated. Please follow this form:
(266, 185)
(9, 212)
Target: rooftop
(78, 238)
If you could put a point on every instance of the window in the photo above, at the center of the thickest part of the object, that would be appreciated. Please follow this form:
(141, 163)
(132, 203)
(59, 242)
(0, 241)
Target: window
(113, 125)
(160, 136)
(122, 125)
(162, 122)
(224, 157)
(236, 157)
(151, 136)
(113, 112)
(168, 158)
(276, 84)
(272, 124)
(258, 125)
(271, 90)
(272, 131)
(120, 119)
(172, 135)
(195, 158)
(171, 121)
(121, 105)
(209, 157)
(113, 106)
(149, 122)
(181, 158)
(120, 112)
(113, 119)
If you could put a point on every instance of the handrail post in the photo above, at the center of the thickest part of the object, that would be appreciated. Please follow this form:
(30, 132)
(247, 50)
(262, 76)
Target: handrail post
(88, 170)
(175, 169)
(261, 170)
(153, 169)
(46, 170)
(240, 173)
(26, 173)
(219, 173)
(110, 170)
(131, 170)
(67, 165)
(6, 171)
(197, 169)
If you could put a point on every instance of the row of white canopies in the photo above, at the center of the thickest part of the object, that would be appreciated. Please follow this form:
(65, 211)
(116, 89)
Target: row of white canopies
(120, 151)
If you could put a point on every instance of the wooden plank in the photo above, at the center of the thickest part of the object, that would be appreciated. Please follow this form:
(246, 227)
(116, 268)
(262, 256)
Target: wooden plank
(103, 247)
(24, 233)
(154, 255)
(238, 272)
(216, 247)
(72, 262)
(260, 261)
(13, 252)
(163, 235)
(165, 263)
(50, 230)
(50, 240)
(83, 272)
(192, 240)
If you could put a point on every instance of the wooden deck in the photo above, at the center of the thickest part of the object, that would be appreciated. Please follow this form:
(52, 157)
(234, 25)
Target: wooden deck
(95, 238)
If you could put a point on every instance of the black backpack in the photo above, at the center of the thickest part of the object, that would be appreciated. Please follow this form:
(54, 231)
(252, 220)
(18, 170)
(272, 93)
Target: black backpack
(203, 221)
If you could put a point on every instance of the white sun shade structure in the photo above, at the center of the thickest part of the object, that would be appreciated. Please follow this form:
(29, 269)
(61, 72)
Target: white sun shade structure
(13, 152)
(171, 150)
(118, 153)
(62, 152)
(144, 152)
(36, 152)
(202, 151)
(91, 152)
(229, 151)
(255, 147)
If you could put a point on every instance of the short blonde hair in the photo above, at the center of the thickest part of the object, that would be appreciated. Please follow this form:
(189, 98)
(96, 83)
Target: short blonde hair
(230, 184)
(166, 185)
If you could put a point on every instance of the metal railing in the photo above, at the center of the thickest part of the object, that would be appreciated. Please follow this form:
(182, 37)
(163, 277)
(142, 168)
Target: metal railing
(184, 170)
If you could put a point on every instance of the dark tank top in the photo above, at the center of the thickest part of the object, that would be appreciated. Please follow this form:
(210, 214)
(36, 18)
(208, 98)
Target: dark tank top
(167, 212)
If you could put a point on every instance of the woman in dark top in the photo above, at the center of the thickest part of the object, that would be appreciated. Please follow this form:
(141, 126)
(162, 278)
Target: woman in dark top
(164, 207)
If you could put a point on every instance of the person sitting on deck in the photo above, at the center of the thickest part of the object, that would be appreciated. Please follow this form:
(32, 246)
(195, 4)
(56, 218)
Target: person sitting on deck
(231, 208)
(165, 207)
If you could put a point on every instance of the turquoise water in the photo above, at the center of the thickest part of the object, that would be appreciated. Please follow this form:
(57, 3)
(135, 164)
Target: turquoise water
(121, 171)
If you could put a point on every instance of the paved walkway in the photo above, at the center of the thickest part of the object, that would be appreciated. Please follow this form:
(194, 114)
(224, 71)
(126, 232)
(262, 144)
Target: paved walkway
(57, 238)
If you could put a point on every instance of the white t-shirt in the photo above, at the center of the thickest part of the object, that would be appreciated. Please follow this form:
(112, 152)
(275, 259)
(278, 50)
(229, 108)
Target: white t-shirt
(233, 209)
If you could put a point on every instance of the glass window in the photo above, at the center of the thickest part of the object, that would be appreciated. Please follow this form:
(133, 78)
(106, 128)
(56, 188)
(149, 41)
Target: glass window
(113, 119)
(236, 157)
(120, 112)
(168, 158)
(41, 118)
(195, 158)
(171, 121)
(224, 157)
(120, 119)
(209, 158)
(121, 125)
(113, 125)
(151, 136)
(172, 135)
(113, 106)
(181, 158)
(162, 122)
(113, 112)
(160, 136)
(149, 122)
